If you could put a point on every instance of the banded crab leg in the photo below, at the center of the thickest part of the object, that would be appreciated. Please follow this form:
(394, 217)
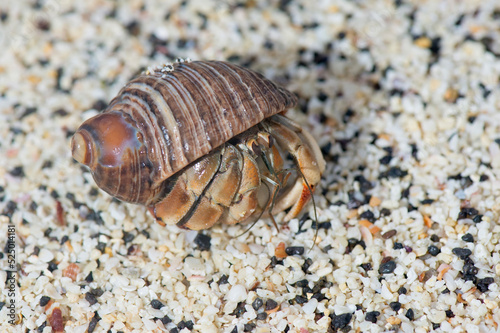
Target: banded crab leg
(245, 201)
(308, 158)
(182, 191)
(202, 192)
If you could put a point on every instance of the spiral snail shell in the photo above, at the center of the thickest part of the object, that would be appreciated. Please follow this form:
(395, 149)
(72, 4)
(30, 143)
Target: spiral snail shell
(198, 143)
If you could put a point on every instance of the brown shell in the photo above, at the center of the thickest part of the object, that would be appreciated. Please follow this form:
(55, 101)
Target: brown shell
(185, 111)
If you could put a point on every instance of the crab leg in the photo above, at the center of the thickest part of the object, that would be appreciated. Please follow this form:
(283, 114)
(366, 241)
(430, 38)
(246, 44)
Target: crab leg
(182, 193)
(245, 202)
(307, 155)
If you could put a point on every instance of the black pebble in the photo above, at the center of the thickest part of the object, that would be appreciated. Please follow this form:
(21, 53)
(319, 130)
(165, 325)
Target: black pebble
(249, 327)
(294, 250)
(101, 246)
(397, 246)
(372, 316)
(271, 304)
(10, 208)
(275, 261)
(462, 253)
(352, 243)
(354, 203)
(166, 320)
(385, 160)
(385, 212)
(52, 266)
(93, 322)
(174, 330)
(368, 215)
(348, 115)
(387, 268)
(410, 314)
(223, 279)
(145, 233)
(60, 113)
(364, 184)
(468, 238)
(394, 172)
(240, 310)
(433, 250)
(300, 299)
(306, 290)
(89, 278)
(257, 304)
(307, 263)
(41, 327)
(132, 249)
(99, 105)
(133, 28)
(322, 96)
(340, 321)
(47, 232)
(367, 266)
(402, 291)
(395, 306)
(483, 284)
(477, 219)
(203, 242)
(449, 314)
(319, 296)
(44, 300)
(405, 193)
(323, 225)
(64, 239)
(262, 316)
(18, 171)
(90, 298)
(128, 237)
(185, 324)
(435, 238)
(96, 292)
(467, 212)
(156, 304)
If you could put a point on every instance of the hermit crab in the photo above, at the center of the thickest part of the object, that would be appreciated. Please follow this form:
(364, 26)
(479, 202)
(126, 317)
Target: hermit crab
(201, 142)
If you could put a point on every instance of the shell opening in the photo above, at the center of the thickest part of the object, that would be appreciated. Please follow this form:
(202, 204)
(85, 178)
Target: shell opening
(81, 148)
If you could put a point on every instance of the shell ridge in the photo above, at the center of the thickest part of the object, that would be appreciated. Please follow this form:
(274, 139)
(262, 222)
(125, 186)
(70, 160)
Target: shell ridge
(169, 124)
(142, 104)
(266, 99)
(203, 110)
(186, 106)
(249, 96)
(208, 94)
(231, 98)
